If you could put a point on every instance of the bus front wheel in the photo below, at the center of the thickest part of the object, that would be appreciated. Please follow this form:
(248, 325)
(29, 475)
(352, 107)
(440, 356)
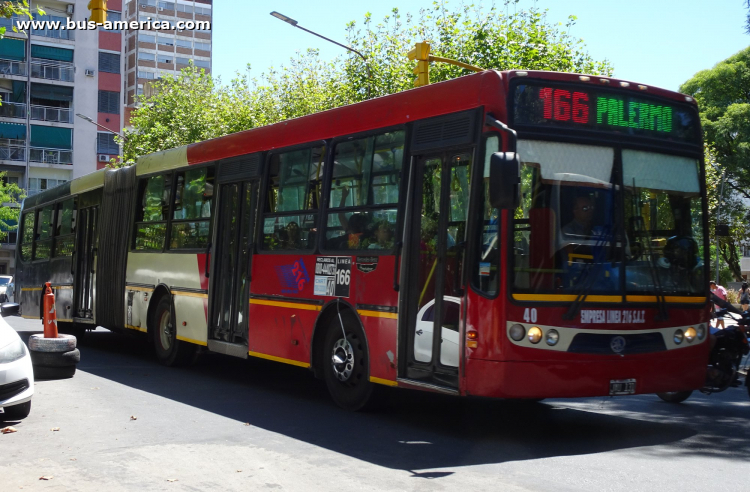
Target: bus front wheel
(345, 363)
(674, 396)
(169, 350)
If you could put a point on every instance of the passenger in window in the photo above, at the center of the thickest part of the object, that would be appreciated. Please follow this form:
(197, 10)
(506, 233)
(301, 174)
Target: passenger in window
(383, 236)
(583, 215)
(293, 240)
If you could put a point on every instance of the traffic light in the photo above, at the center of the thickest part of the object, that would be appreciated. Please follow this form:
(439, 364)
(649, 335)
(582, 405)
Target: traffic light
(421, 53)
(98, 10)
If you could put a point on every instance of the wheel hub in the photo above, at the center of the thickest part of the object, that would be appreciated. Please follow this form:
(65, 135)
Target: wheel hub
(342, 359)
(165, 331)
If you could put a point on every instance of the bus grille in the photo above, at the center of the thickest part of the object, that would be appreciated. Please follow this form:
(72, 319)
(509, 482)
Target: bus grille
(601, 343)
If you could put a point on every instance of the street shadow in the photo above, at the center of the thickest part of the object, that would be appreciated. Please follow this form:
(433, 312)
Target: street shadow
(412, 431)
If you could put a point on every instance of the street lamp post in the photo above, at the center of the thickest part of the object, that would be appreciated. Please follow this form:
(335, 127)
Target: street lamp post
(90, 120)
(294, 23)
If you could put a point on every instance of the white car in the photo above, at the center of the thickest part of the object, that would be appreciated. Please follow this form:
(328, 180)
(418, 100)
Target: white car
(6, 288)
(16, 375)
(449, 332)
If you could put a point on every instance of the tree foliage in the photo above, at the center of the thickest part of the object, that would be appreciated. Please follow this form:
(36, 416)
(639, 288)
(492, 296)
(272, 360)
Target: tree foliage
(10, 196)
(723, 96)
(9, 9)
(194, 107)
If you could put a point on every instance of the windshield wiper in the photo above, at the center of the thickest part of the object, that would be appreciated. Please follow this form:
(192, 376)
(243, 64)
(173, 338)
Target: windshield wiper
(663, 314)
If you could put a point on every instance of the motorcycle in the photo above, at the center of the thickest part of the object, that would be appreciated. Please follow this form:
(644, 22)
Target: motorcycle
(728, 348)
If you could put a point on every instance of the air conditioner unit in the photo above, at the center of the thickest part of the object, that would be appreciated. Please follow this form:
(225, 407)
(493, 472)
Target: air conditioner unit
(89, 72)
(103, 158)
(69, 9)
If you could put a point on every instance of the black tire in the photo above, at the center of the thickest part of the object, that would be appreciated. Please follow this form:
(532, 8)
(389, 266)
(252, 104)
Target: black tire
(75, 329)
(675, 396)
(169, 350)
(16, 412)
(63, 343)
(347, 380)
(55, 359)
(47, 372)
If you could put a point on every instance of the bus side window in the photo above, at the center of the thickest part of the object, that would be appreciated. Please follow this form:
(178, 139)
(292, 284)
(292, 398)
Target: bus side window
(292, 200)
(152, 214)
(190, 227)
(44, 230)
(364, 188)
(485, 277)
(65, 229)
(27, 235)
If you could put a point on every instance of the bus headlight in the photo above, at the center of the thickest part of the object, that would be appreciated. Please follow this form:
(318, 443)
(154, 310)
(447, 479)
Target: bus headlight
(701, 332)
(552, 337)
(517, 332)
(690, 334)
(535, 334)
(678, 337)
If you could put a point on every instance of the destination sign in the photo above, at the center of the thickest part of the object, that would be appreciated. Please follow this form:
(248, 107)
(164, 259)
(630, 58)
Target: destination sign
(588, 108)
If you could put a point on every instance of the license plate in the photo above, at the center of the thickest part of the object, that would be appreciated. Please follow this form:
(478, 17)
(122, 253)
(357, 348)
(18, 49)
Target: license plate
(2, 410)
(621, 387)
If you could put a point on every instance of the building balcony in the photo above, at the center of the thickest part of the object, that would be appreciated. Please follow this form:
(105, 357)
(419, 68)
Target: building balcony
(51, 156)
(12, 67)
(47, 113)
(13, 152)
(52, 71)
(13, 110)
(68, 34)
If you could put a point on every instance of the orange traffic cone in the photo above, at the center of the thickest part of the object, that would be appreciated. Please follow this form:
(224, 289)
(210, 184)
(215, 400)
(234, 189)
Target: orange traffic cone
(50, 316)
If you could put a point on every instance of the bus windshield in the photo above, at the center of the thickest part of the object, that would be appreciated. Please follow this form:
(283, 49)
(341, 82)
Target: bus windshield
(581, 230)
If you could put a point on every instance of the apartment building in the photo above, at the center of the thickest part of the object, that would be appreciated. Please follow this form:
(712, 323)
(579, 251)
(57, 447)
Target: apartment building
(50, 76)
(47, 76)
(150, 54)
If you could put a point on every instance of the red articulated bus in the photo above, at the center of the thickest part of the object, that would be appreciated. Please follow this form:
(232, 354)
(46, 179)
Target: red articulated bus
(505, 234)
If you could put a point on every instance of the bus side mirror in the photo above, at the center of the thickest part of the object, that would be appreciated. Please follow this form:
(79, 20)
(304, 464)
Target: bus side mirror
(505, 180)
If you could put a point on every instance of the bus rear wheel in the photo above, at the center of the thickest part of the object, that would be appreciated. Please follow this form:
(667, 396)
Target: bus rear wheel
(345, 363)
(169, 350)
(674, 396)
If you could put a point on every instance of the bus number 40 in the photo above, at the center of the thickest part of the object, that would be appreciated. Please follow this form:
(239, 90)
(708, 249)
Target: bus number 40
(529, 315)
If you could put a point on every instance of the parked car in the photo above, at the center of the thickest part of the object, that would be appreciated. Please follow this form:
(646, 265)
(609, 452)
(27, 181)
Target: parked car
(6, 288)
(16, 375)
(449, 332)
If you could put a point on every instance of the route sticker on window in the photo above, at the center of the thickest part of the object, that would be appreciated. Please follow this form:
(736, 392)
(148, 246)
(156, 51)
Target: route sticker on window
(333, 275)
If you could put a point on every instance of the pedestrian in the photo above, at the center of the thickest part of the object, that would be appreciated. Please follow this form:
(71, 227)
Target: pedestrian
(744, 297)
(721, 293)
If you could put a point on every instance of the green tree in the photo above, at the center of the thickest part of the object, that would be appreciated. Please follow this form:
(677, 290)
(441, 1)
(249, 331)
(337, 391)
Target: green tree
(10, 195)
(18, 8)
(723, 97)
(194, 107)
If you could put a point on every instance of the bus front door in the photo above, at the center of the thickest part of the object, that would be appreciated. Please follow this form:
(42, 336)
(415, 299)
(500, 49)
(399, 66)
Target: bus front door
(85, 268)
(434, 259)
(230, 271)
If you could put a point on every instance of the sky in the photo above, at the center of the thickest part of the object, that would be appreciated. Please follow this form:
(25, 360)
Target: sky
(661, 43)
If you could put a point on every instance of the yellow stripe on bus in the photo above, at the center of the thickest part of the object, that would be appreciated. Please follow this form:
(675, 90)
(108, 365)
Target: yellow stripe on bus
(386, 382)
(571, 298)
(293, 305)
(30, 289)
(136, 328)
(30, 317)
(564, 298)
(34, 289)
(141, 289)
(691, 300)
(377, 314)
(279, 359)
(189, 294)
(190, 340)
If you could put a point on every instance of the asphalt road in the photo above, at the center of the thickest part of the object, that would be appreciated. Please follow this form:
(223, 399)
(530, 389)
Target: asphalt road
(127, 423)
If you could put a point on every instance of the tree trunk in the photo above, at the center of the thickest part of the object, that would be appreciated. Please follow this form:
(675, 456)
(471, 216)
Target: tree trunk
(730, 254)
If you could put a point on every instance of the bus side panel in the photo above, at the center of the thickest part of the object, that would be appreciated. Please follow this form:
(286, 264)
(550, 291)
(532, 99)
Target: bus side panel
(177, 271)
(376, 302)
(282, 331)
(57, 272)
